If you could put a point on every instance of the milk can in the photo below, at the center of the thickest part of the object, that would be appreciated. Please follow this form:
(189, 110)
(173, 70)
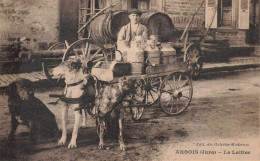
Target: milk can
(135, 53)
(154, 38)
(152, 53)
(168, 53)
(135, 56)
(121, 54)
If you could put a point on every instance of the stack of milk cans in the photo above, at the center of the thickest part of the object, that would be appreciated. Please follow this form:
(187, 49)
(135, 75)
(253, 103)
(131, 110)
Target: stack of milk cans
(140, 53)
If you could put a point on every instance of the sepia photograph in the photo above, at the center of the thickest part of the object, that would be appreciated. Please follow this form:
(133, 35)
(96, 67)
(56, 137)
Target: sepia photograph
(127, 80)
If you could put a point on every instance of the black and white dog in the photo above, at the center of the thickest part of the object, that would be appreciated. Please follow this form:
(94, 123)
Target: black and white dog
(26, 109)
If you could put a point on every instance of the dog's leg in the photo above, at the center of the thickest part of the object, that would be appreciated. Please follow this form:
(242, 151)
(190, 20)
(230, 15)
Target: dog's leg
(64, 125)
(10, 144)
(101, 132)
(75, 130)
(32, 131)
(14, 125)
(84, 118)
(120, 123)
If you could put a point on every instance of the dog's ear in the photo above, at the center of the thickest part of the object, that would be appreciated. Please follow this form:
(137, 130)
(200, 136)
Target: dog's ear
(11, 89)
(29, 85)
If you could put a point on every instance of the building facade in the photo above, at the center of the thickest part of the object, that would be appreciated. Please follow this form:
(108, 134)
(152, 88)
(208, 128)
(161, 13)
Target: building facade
(49, 21)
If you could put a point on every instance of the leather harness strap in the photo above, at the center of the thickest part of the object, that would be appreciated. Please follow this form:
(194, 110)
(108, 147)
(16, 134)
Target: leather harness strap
(75, 84)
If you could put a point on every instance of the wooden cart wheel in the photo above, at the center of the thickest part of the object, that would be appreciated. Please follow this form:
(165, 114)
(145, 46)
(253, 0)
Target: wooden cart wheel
(88, 52)
(150, 94)
(175, 93)
(151, 86)
(193, 58)
(48, 65)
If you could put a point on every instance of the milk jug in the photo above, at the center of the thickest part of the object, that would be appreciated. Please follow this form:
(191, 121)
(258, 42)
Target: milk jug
(135, 53)
(168, 53)
(152, 53)
(121, 54)
(136, 58)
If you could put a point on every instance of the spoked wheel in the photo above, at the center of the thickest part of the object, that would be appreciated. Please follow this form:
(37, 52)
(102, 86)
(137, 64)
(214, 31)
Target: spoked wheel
(49, 64)
(175, 93)
(194, 60)
(151, 86)
(150, 94)
(88, 52)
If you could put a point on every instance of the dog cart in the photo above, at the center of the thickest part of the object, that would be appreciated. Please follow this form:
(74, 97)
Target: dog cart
(166, 82)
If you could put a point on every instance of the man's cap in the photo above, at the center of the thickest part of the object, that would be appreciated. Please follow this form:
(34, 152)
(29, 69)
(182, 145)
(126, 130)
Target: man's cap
(135, 11)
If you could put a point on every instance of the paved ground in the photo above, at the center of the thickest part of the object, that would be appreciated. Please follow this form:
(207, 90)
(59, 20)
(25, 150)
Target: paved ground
(223, 116)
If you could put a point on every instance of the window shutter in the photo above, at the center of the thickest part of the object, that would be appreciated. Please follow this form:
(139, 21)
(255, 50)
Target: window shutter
(210, 13)
(243, 14)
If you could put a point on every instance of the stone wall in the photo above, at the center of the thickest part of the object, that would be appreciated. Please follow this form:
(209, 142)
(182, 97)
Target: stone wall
(37, 20)
(181, 11)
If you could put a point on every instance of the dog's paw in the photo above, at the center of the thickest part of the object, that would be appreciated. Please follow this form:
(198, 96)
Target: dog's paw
(72, 145)
(62, 141)
(122, 147)
(83, 126)
(101, 147)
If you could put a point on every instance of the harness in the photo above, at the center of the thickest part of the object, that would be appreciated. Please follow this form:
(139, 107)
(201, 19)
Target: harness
(76, 83)
(92, 104)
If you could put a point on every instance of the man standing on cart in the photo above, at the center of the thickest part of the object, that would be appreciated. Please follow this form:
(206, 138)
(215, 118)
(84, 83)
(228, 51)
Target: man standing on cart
(133, 29)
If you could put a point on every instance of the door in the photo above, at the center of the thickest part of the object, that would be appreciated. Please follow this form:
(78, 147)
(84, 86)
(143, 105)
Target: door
(211, 13)
(69, 20)
(243, 14)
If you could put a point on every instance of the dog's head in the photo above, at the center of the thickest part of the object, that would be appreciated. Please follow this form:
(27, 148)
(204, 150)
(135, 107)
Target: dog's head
(70, 70)
(126, 84)
(21, 88)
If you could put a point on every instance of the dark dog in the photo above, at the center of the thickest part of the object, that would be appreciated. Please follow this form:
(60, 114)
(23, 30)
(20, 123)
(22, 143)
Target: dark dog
(25, 109)
(110, 107)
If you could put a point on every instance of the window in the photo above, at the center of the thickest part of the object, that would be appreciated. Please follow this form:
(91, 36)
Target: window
(227, 14)
(87, 8)
(142, 5)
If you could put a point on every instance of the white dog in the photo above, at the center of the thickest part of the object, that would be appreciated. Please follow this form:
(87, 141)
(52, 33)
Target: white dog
(74, 94)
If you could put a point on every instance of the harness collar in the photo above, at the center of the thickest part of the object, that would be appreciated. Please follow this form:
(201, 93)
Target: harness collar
(75, 84)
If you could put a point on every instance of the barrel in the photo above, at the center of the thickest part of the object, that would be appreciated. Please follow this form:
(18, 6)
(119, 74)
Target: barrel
(159, 24)
(104, 28)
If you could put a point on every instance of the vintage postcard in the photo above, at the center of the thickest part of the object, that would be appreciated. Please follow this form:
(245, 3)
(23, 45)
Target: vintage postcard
(166, 80)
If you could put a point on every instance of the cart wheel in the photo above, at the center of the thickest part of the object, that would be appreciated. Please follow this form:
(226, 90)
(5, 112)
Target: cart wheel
(194, 60)
(136, 113)
(54, 62)
(86, 51)
(151, 86)
(150, 94)
(175, 93)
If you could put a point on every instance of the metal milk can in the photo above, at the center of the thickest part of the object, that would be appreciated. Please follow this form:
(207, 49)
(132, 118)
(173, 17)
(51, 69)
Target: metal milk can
(121, 52)
(168, 53)
(152, 53)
